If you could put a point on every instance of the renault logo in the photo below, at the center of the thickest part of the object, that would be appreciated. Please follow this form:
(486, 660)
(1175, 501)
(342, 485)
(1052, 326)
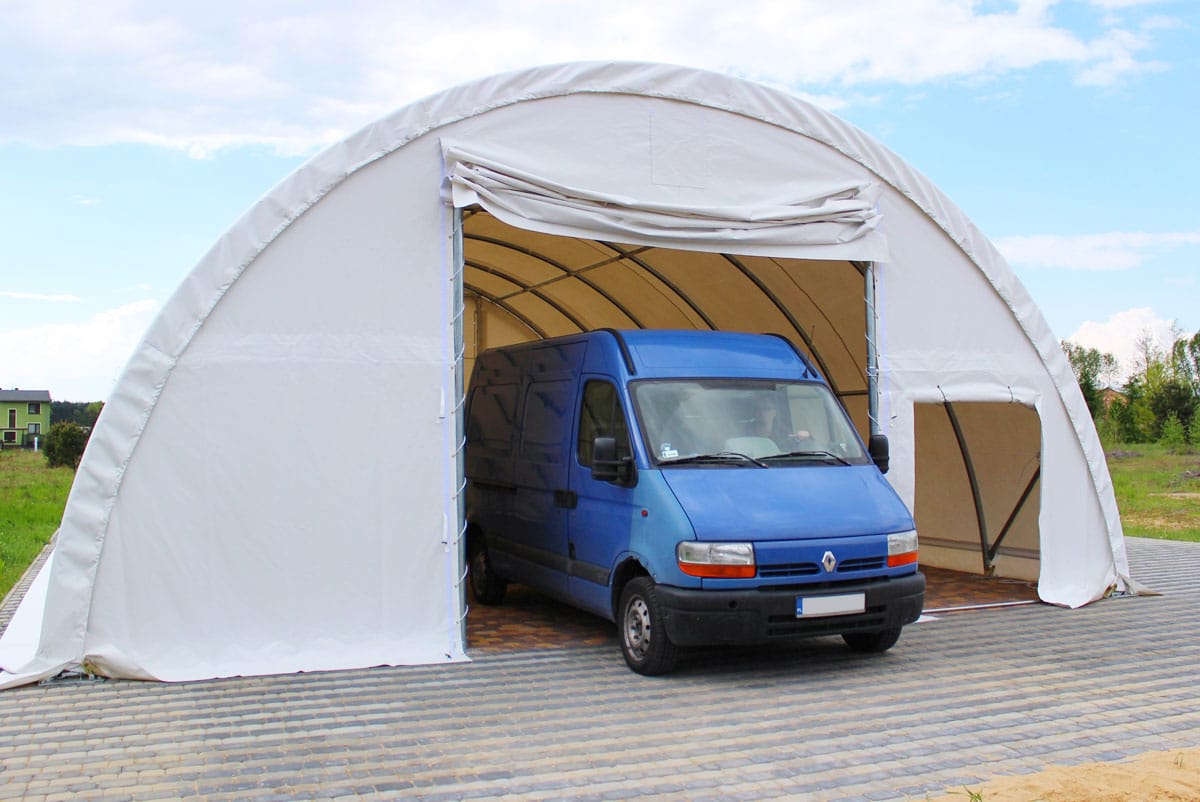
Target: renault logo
(829, 561)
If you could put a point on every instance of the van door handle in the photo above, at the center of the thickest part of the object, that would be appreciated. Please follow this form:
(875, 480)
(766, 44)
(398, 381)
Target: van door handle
(566, 499)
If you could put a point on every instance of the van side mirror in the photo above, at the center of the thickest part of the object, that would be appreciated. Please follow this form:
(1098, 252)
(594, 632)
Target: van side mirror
(605, 465)
(878, 448)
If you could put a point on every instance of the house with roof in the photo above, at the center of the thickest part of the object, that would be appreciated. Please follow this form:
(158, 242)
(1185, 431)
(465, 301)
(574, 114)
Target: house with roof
(24, 418)
(1111, 394)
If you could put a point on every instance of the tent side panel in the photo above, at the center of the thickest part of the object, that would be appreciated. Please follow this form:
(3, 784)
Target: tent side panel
(276, 514)
(947, 334)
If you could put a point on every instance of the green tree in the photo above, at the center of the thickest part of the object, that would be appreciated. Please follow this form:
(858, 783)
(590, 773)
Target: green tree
(1133, 416)
(1093, 370)
(1174, 400)
(65, 443)
(80, 412)
(93, 412)
(1169, 384)
(1185, 354)
(1173, 435)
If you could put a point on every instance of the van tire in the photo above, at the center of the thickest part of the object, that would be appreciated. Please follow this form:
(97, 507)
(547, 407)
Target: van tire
(487, 586)
(872, 642)
(644, 641)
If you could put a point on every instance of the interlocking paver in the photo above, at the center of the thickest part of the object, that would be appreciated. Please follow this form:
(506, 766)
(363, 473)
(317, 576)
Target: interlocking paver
(1009, 690)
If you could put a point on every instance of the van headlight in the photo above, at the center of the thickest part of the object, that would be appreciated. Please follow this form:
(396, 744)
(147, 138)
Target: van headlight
(716, 560)
(902, 548)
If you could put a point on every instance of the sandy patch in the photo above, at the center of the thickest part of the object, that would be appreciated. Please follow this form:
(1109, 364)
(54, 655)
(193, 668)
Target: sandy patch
(1153, 777)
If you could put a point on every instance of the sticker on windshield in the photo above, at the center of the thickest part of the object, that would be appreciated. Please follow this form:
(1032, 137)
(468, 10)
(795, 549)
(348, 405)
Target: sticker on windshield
(666, 452)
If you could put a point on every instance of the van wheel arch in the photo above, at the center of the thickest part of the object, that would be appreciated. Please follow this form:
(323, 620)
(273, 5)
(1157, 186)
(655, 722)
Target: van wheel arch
(645, 645)
(629, 569)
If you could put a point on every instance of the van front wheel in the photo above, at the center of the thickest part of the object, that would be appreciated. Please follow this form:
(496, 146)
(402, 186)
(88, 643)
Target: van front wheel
(872, 641)
(644, 641)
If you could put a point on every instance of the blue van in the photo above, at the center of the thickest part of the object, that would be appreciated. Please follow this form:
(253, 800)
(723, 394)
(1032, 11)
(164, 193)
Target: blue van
(697, 488)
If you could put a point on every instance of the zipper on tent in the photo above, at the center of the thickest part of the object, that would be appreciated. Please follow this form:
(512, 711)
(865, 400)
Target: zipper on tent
(874, 426)
(458, 310)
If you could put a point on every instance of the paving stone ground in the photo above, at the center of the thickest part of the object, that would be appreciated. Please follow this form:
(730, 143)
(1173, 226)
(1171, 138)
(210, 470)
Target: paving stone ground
(1006, 690)
(528, 620)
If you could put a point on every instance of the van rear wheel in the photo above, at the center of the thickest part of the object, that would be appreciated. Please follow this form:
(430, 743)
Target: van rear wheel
(486, 585)
(644, 641)
(872, 642)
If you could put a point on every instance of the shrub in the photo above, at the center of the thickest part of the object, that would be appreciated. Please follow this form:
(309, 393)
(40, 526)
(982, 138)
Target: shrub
(65, 443)
(1174, 435)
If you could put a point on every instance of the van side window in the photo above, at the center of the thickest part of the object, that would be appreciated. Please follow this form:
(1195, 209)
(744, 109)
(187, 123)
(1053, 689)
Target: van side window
(547, 413)
(492, 416)
(601, 416)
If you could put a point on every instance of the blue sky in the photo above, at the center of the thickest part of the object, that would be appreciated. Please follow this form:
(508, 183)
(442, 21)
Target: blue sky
(132, 134)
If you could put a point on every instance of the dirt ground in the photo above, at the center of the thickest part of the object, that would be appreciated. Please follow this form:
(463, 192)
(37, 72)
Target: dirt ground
(1172, 776)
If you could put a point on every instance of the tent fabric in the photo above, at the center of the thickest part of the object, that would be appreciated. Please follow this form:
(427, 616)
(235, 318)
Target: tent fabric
(274, 484)
(817, 221)
(23, 633)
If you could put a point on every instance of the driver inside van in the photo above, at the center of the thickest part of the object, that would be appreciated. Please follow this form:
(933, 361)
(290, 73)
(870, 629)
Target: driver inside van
(767, 423)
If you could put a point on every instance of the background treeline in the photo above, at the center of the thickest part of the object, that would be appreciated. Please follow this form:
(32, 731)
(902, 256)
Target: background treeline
(1158, 403)
(83, 413)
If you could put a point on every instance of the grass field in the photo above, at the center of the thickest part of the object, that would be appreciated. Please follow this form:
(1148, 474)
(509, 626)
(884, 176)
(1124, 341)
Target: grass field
(32, 498)
(1157, 492)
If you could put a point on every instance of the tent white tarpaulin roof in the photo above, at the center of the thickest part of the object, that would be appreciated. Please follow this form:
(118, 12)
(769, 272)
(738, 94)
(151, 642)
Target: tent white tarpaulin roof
(275, 484)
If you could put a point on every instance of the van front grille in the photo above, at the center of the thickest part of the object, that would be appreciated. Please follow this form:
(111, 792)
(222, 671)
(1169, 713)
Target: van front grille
(788, 569)
(861, 564)
(812, 569)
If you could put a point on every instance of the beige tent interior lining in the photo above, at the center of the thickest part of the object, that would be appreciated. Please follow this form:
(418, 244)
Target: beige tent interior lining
(1003, 442)
(522, 285)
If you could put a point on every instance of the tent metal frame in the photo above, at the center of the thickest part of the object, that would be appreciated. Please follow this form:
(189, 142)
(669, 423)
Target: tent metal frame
(680, 299)
(458, 332)
(988, 551)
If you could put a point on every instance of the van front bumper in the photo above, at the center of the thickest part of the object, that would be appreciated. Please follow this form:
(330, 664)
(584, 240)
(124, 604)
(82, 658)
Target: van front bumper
(710, 617)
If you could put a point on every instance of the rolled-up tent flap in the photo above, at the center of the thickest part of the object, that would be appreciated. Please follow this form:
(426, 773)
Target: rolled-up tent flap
(803, 220)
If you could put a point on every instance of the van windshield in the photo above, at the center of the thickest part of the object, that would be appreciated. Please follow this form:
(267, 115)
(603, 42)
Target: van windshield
(685, 421)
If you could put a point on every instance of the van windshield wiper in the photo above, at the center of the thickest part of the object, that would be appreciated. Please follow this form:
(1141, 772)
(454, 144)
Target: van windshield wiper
(719, 458)
(816, 454)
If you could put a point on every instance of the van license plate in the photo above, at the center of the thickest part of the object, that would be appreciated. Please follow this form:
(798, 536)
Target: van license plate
(814, 606)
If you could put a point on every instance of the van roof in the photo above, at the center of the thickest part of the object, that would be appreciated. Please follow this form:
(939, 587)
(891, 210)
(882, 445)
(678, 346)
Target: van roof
(670, 353)
(724, 353)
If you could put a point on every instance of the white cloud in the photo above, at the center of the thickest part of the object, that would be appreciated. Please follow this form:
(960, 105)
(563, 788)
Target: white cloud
(75, 361)
(1121, 333)
(1117, 4)
(38, 296)
(1101, 252)
(202, 76)
(1114, 57)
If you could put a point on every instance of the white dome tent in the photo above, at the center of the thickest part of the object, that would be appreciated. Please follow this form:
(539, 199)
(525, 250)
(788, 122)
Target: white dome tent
(203, 539)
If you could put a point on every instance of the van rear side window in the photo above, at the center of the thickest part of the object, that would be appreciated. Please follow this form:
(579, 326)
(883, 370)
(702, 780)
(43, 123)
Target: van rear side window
(547, 418)
(493, 414)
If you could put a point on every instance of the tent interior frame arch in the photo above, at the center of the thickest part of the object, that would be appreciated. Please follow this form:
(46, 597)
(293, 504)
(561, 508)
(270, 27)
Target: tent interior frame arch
(636, 257)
